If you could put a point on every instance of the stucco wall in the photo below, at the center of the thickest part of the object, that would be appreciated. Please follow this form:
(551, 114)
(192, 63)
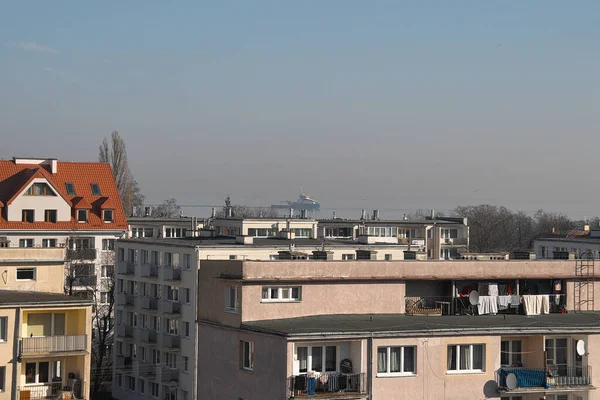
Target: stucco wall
(39, 204)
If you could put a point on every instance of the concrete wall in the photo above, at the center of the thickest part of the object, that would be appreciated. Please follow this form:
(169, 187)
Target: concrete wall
(39, 204)
(219, 372)
(7, 351)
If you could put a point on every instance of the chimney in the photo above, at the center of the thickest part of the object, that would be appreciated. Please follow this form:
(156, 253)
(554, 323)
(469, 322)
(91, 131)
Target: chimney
(405, 218)
(291, 213)
(134, 211)
(334, 215)
(229, 212)
(363, 214)
(180, 213)
(375, 214)
(432, 214)
(213, 212)
(147, 211)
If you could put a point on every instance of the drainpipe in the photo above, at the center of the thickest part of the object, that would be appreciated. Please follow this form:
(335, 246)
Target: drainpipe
(370, 368)
(16, 348)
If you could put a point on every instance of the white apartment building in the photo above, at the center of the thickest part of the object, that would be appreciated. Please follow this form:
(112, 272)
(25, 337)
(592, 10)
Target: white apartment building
(576, 242)
(158, 227)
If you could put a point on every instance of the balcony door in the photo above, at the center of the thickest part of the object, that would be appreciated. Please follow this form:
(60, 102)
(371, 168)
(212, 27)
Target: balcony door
(557, 355)
(317, 359)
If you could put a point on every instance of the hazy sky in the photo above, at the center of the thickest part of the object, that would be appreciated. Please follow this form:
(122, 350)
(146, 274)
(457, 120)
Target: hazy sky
(387, 104)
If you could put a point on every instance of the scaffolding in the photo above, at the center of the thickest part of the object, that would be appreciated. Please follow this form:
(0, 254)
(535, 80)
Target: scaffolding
(583, 293)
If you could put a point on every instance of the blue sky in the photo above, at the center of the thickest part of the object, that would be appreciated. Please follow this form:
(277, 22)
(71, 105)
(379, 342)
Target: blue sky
(390, 104)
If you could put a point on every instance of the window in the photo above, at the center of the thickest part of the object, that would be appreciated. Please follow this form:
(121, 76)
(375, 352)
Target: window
(148, 232)
(171, 360)
(28, 216)
(70, 188)
(143, 354)
(82, 215)
(108, 244)
(108, 215)
(40, 189)
(396, 360)
(172, 293)
(246, 355)
(338, 232)
(231, 299)
(141, 384)
(107, 271)
(302, 232)
(169, 393)
(48, 242)
(50, 216)
(104, 297)
(186, 363)
(3, 329)
(172, 326)
(96, 189)
(2, 379)
(232, 257)
(119, 380)
(557, 355)
(347, 257)
(388, 257)
(187, 261)
(131, 383)
(186, 329)
(154, 389)
(510, 353)
(188, 295)
(37, 372)
(281, 293)
(466, 358)
(175, 232)
(156, 356)
(317, 358)
(25, 274)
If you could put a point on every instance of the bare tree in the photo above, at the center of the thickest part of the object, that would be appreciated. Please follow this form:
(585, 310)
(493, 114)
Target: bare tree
(114, 152)
(168, 209)
(241, 211)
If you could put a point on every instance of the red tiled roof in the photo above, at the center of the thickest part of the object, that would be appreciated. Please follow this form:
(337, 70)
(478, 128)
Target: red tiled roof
(80, 202)
(14, 178)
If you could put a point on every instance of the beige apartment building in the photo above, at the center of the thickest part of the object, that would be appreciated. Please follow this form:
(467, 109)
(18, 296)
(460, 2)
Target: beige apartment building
(45, 336)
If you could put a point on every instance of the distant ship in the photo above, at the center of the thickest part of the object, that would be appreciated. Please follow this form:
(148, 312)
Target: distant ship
(304, 202)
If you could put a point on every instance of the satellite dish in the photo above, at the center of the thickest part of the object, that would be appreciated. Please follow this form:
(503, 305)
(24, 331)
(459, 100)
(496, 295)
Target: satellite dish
(511, 381)
(581, 347)
(474, 298)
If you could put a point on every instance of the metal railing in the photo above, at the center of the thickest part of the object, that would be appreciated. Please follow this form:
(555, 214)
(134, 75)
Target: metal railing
(171, 307)
(125, 331)
(429, 305)
(53, 344)
(126, 268)
(172, 273)
(147, 335)
(330, 382)
(171, 341)
(52, 390)
(168, 375)
(554, 376)
(81, 254)
(124, 363)
(88, 280)
(453, 241)
(149, 303)
(126, 300)
(149, 271)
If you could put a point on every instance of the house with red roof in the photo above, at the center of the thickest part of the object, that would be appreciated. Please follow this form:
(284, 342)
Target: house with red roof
(51, 203)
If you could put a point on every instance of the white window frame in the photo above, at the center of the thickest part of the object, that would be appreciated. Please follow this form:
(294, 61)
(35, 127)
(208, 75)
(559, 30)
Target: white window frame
(247, 363)
(229, 291)
(466, 371)
(323, 356)
(280, 292)
(47, 242)
(402, 372)
(171, 360)
(349, 257)
(86, 213)
(22, 269)
(106, 213)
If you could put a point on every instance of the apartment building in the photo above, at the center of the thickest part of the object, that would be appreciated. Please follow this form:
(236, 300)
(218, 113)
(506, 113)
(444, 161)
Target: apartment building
(393, 330)
(46, 203)
(577, 242)
(45, 336)
(158, 227)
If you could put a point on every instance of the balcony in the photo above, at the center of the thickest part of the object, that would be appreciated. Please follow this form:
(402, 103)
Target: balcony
(171, 273)
(433, 305)
(149, 303)
(81, 254)
(148, 336)
(171, 342)
(149, 271)
(146, 369)
(125, 268)
(540, 379)
(172, 308)
(125, 331)
(51, 390)
(168, 375)
(331, 385)
(87, 280)
(124, 363)
(53, 344)
(126, 300)
(453, 241)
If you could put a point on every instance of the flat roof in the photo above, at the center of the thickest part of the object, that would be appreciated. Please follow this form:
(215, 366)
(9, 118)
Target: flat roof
(16, 298)
(405, 325)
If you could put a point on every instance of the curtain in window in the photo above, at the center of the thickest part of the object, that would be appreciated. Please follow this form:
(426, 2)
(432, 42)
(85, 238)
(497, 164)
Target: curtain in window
(409, 359)
(317, 359)
(303, 359)
(478, 356)
(465, 357)
(382, 359)
(452, 358)
(395, 363)
(330, 358)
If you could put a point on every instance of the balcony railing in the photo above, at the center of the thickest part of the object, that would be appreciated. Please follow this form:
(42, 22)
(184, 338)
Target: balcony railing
(148, 336)
(53, 344)
(88, 280)
(81, 254)
(149, 303)
(331, 382)
(431, 305)
(126, 268)
(171, 341)
(168, 375)
(552, 377)
(149, 271)
(126, 300)
(171, 273)
(124, 363)
(171, 307)
(51, 390)
(125, 331)
(146, 368)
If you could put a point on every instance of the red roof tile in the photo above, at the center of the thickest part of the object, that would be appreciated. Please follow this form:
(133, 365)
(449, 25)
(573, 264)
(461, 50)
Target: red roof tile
(14, 177)
(80, 202)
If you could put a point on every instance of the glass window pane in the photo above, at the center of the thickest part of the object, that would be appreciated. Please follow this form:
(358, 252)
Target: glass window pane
(382, 359)
(395, 357)
(317, 359)
(409, 359)
(30, 372)
(330, 358)
(59, 324)
(478, 356)
(303, 359)
(44, 373)
(452, 358)
(504, 353)
(465, 357)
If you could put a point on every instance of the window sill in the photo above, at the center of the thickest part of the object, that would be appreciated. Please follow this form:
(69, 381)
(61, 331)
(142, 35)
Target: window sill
(474, 372)
(280, 301)
(248, 370)
(395, 374)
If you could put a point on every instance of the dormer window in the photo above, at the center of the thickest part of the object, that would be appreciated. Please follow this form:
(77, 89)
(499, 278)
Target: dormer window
(108, 215)
(96, 189)
(82, 215)
(40, 189)
(70, 188)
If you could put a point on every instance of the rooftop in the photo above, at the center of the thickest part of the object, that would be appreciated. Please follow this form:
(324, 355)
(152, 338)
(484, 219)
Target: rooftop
(393, 324)
(18, 298)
